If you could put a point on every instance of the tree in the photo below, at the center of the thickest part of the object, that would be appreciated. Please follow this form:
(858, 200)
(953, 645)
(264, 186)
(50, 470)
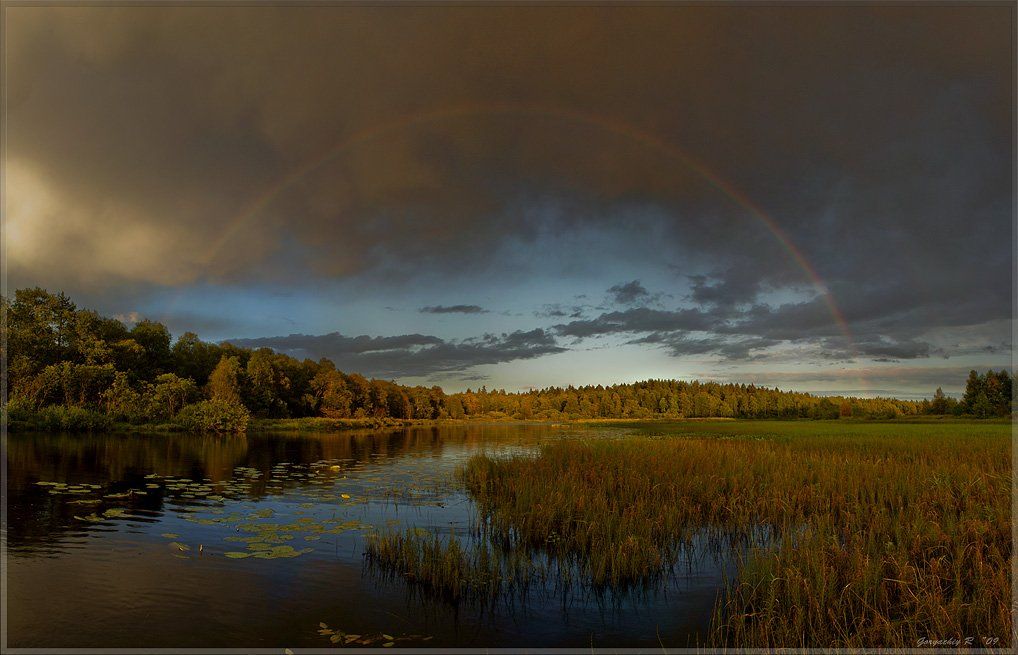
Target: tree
(40, 327)
(939, 404)
(973, 387)
(155, 339)
(455, 407)
(330, 395)
(1001, 399)
(194, 358)
(826, 409)
(170, 393)
(129, 356)
(981, 406)
(267, 384)
(988, 395)
(360, 391)
(122, 402)
(225, 381)
(90, 342)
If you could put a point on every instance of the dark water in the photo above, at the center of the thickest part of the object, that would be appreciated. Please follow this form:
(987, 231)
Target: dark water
(124, 544)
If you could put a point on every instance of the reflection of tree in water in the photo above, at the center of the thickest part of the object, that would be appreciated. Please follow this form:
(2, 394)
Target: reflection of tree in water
(121, 462)
(117, 462)
(114, 458)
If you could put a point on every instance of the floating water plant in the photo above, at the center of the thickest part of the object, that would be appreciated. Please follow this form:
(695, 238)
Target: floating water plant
(340, 638)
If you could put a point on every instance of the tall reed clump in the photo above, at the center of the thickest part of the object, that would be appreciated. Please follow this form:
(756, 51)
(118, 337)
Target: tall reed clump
(444, 568)
(876, 538)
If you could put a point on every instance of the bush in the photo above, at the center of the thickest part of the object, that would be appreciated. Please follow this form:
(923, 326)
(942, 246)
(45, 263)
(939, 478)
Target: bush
(60, 418)
(214, 416)
(68, 383)
(123, 402)
(18, 410)
(169, 395)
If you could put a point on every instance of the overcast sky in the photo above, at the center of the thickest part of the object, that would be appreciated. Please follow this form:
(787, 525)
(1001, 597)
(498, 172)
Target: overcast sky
(817, 198)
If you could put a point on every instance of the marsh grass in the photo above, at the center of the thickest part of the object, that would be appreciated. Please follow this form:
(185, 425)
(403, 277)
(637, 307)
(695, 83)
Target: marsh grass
(851, 535)
(448, 569)
(871, 535)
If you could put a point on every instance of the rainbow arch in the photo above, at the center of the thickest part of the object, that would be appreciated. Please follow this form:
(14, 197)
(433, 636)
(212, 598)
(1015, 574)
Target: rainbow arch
(613, 126)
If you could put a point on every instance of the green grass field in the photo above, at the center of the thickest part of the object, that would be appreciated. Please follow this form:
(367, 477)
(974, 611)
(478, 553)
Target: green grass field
(862, 534)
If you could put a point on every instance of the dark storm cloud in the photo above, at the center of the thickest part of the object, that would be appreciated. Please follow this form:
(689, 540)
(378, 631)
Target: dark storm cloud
(628, 293)
(472, 378)
(340, 344)
(878, 348)
(737, 332)
(453, 309)
(192, 112)
(551, 311)
(678, 344)
(146, 146)
(638, 319)
(737, 285)
(412, 355)
(558, 310)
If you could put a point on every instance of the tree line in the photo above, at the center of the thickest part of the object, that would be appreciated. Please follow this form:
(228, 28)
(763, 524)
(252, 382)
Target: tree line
(986, 395)
(74, 367)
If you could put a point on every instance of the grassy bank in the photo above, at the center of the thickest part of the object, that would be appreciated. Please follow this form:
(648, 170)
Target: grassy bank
(86, 421)
(72, 419)
(865, 534)
(320, 424)
(58, 418)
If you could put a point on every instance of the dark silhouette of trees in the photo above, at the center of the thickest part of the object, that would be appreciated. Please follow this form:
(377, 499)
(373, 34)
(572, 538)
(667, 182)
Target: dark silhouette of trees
(988, 395)
(942, 403)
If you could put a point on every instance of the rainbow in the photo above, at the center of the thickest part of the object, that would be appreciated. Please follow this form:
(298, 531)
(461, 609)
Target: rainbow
(613, 126)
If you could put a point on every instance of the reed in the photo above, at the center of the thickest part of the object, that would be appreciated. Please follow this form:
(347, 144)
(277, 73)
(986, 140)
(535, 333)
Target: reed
(442, 567)
(846, 535)
(863, 535)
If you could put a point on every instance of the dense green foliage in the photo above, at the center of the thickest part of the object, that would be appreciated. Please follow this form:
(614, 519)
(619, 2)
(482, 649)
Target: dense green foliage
(214, 416)
(987, 395)
(62, 356)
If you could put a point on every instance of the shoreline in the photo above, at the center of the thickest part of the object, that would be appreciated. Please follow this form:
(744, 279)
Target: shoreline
(323, 424)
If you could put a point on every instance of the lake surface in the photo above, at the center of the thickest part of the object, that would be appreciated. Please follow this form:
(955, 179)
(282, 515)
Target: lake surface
(199, 541)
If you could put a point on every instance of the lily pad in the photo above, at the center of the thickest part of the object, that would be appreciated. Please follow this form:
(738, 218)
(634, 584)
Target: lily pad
(281, 551)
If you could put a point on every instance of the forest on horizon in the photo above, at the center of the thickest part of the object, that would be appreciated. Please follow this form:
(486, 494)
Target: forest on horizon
(71, 368)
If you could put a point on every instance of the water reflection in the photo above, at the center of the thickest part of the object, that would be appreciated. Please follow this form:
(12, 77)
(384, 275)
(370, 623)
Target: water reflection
(119, 464)
(166, 540)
